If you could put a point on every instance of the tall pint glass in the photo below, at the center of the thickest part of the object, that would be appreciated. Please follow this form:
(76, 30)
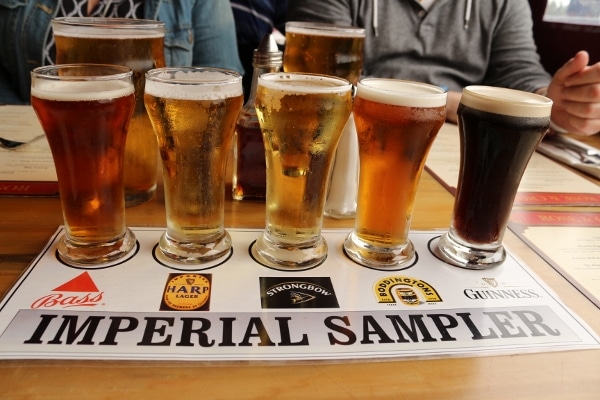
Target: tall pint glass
(139, 45)
(331, 50)
(85, 110)
(499, 131)
(193, 113)
(301, 117)
(396, 123)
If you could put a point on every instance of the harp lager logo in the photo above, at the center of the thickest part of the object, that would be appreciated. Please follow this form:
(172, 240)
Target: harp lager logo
(187, 292)
(405, 290)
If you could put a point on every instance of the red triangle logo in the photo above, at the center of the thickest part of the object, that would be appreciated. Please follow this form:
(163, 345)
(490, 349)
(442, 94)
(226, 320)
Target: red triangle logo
(81, 283)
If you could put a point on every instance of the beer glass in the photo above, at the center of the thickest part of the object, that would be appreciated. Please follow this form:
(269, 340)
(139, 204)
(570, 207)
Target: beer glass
(139, 45)
(85, 110)
(331, 50)
(193, 112)
(396, 123)
(301, 117)
(499, 131)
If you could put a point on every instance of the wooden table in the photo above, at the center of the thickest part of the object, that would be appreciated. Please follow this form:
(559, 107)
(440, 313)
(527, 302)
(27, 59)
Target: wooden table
(26, 224)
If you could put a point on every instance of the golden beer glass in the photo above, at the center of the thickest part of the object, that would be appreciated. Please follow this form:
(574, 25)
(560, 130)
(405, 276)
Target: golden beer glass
(396, 123)
(499, 131)
(301, 117)
(139, 45)
(85, 110)
(331, 50)
(193, 112)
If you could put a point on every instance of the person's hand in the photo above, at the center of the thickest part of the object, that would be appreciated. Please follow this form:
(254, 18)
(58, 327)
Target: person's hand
(575, 91)
(452, 101)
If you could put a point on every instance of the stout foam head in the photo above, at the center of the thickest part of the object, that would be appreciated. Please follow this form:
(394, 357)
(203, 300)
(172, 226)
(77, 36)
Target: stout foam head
(510, 102)
(401, 93)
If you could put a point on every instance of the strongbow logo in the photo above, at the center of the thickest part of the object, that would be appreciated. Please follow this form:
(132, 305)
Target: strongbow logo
(406, 290)
(303, 293)
(187, 292)
(80, 291)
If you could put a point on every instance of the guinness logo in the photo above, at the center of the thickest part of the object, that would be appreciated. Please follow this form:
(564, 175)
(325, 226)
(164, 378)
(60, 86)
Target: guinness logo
(187, 292)
(490, 281)
(297, 293)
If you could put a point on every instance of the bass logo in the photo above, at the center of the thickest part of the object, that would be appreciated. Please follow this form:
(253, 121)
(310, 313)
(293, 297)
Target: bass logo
(405, 290)
(187, 292)
(80, 291)
(305, 292)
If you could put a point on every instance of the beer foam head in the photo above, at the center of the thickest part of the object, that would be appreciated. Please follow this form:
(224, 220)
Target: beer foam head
(320, 29)
(514, 103)
(189, 83)
(72, 90)
(81, 82)
(300, 83)
(401, 93)
(107, 28)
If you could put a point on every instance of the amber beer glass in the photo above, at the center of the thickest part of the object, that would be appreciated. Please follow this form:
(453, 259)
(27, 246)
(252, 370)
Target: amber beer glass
(338, 51)
(85, 110)
(499, 131)
(396, 123)
(324, 49)
(193, 112)
(301, 117)
(139, 45)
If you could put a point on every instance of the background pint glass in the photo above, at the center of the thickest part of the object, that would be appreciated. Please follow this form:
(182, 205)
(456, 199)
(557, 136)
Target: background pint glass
(499, 131)
(139, 45)
(85, 111)
(396, 123)
(193, 113)
(301, 118)
(331, 50)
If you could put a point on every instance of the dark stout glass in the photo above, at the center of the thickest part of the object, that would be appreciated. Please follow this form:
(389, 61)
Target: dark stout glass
(499, 131)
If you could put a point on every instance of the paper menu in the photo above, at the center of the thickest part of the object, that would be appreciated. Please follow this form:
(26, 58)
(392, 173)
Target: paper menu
(28, 170)
(568, 241)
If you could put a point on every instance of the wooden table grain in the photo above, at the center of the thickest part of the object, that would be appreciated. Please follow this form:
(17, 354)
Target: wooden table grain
(26, 224)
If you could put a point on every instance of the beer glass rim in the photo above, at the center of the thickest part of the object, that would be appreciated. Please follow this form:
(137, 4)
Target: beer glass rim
(228, 80)
(400, 92)
(505, 101)
(106, 25)
(50, 72)
(312, 28)
(273, 80)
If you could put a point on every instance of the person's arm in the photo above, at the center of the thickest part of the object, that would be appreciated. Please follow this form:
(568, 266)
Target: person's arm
(331, 11)
(215, 43)
(514, 61)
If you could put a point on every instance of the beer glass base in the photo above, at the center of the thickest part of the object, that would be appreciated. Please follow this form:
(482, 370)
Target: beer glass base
(287, 257)
(194, 252)
(95, 255)
(461, 255)
(134, 198)
(344, 214)
(380, 258)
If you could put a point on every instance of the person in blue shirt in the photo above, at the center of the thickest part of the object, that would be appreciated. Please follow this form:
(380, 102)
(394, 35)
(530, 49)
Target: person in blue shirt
(197, 32)
(253, 20)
